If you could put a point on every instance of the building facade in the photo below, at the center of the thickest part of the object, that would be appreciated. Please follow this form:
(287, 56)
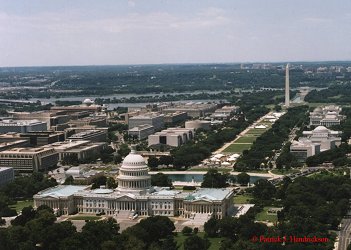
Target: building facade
(153, 119)
(28, 160)
(81, 149)
(141, 131)
(173, 137)
(22, 126)
(90, 135)
(135, 196)
(6, 175)
(326, 116)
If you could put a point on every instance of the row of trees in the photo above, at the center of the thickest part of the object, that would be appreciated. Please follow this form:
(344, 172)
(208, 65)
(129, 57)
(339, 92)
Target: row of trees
(37, 228)
(338, 156)
(23, 187)
(265, 146)
(317, 213)
(337, 93)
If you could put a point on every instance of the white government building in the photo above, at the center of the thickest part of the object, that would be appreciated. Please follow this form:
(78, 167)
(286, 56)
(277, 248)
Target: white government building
(135, 196)
(326, 116)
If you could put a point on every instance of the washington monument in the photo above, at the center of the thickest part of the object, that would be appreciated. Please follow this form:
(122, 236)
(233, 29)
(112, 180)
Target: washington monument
(287, 87)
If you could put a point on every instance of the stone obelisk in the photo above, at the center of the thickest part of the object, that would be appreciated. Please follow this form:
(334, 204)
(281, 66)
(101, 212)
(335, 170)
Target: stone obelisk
(287, 87)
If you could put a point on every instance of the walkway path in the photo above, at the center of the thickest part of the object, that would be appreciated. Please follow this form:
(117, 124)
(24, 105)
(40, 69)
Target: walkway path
(242, 134)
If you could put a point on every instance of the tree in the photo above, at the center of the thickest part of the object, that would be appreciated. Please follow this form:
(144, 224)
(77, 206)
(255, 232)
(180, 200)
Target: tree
(99, 181)
(158, 227)
(264, 189)
(69, 180)
(111, 183)
(123, 150)
(211, 227)
(57, 232)
(160, 180)
(117, 159)
(2, 221)
(187, 230)
(195, 242)
(214, 179)
(243, 178)
(166, 160)
(228, 227)
(28, 213)
(96, 232)
(152, 162)
(106, 154)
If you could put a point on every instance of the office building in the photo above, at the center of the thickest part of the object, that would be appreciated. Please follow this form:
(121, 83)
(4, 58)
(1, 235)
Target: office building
(90, 135)
(6, 175)
(153, 119)
(142, 131)
(174, 118)
(192, 109)
(198, 124)
(80, 148)
(173, 137)
(88, 121)
(27, 160)
(303, 149)
(13, 144)
(22, 126)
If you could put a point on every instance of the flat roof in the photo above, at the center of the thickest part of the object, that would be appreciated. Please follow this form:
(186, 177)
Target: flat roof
(61, 191)
(10, 122)
(87, 132)
(212, 194)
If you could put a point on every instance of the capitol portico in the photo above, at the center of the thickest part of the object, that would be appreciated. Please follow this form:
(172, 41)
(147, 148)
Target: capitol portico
(135, 196)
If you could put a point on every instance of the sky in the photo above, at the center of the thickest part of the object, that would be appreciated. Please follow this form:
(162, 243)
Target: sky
(113, 32)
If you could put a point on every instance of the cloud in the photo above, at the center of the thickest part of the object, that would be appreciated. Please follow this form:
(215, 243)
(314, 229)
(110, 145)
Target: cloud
(131, 3)
(317, 20)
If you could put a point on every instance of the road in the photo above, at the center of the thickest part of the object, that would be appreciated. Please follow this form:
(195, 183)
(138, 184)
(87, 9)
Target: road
(344, 235)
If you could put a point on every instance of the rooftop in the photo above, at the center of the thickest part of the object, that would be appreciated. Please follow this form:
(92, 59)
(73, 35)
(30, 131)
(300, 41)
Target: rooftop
(10, 122)
(61, 191)
(212, 194)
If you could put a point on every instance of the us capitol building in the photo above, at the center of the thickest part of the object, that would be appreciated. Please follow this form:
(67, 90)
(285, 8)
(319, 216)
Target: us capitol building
(135, 196)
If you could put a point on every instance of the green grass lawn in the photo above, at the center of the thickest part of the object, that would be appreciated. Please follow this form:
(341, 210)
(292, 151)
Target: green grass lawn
(236, 148)
(21, 204)
(246, 139)
(85, 217)
(215, 242)
(242, 199)
(257, 131)
(264, 216)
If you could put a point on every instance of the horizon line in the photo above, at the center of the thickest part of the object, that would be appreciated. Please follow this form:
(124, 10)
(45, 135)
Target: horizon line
(192, 63)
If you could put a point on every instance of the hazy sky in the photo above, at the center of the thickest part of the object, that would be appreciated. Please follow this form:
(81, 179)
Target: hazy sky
(91, 32)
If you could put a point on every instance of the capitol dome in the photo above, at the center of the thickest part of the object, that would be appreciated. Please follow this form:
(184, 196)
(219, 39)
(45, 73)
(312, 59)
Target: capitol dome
(134, 175)
(133, 159)
(88, 101)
